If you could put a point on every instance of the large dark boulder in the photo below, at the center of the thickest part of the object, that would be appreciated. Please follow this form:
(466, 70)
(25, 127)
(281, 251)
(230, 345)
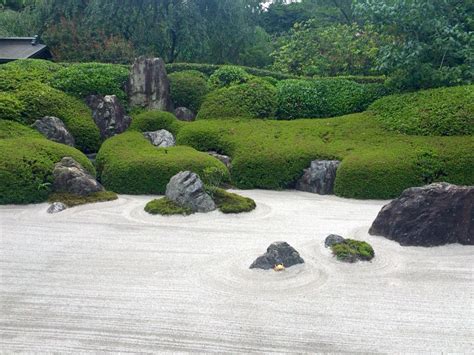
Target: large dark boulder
(319, 177)
(187, 190)
(184, 114)
(54, 129)
(161, 138)
(109, 115)
(71, 177)
(432, 215)
(277, 253)
(148, 84)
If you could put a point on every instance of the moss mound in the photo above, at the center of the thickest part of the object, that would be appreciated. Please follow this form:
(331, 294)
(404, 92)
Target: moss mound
(71, 200)
(351, 251)
(18, 72)
(41, 100)
(128, 163)
(166, 207)
(228, 202)
(10, 107)
(188, 89)
(150, 121)
(255, 99)
(435, 112)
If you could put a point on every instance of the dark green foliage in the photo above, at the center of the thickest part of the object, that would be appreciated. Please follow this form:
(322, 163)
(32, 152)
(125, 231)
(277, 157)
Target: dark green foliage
(228, 75)
(128, 163)
(15, 73)
(71, 200)
(322, 98)
(254, 99)
(10, 107)
(82, 80)
(188, 89)
(150, 121)
(351, 251)
(166, 207)
(41, 100)
(228, 202)
(27, 163)
(442, 112)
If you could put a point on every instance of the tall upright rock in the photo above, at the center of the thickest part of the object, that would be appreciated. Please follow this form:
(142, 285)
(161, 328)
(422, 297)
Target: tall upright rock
(148, 84)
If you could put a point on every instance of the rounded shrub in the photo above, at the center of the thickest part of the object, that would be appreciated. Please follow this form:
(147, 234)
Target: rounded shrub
(17, 72)
(12, 129)
(81, 80)
(41, 100)
(322, 98)
(228, 75)
(435, 112)
(10, 107)
(129, 164)
(188, 89)
(26, 168)
(254, 99)
(150, 121)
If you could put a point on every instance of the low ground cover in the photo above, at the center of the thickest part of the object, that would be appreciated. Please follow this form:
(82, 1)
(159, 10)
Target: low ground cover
(352, 250)
(72, 200)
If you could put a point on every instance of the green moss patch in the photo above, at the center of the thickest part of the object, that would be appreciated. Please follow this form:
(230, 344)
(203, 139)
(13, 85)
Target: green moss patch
(150, 121)
(228, 202)
(166, 207)
(71, 200)
(351, 251)
(188, 89)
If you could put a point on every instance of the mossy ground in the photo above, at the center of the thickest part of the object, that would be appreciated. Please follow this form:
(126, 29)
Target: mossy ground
(71, 200)
(166, 207)
(353, 250)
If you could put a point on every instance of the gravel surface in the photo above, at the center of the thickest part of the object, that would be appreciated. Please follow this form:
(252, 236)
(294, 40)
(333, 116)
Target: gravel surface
(110, 277)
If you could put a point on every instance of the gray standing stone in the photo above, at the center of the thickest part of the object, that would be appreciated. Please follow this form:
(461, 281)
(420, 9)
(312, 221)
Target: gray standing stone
(56, 207)
(109, 115)
(148, 84)
(333, 239)
(69, 176)
(184, 114)
(54, 129)
(432, 215)
(161, 138)
(223, 158)
(186, 189)
(277, 253)
(319, 177)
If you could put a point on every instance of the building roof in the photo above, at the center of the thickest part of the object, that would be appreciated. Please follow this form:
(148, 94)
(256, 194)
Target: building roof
(12, 48)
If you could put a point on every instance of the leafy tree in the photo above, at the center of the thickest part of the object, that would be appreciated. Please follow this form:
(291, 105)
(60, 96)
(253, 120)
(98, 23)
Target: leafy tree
(433, 40)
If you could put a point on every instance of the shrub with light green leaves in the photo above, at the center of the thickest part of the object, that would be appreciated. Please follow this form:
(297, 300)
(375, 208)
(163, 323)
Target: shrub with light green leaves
(228, 75)
(21, 71)
(10, 107)
(150, 121)
(188, 89)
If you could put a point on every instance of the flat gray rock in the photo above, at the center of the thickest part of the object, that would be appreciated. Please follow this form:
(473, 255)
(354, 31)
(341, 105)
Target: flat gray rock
(54, 129)
(56, 207)
(319, 178)
(161, 138)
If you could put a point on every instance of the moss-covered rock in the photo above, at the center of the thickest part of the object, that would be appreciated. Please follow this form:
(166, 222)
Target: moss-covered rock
(228, 202)
(166, 207)
(71, 200)
(352, 250)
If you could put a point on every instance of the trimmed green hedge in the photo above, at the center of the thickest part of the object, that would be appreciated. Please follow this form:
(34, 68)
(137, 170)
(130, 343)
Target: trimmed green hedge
(84, 79)
(15, 73)
(27, 162)
(128, 163)
(323, 98)
(254, 99)
(150, 121)
(10, 107)
(435, 112)
(228, 75)
(41, 100)
(188, 89)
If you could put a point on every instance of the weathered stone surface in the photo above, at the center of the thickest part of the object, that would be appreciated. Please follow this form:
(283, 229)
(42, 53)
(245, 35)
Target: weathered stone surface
(223, 158)
(56, 207)
(54, 129)
(277, 253)
(432, 215)
(333, 239)
(71, 177)
(161, 138)
(186, 189)
(109, 115)
(319, 177)
(184, 114)
(148, 85)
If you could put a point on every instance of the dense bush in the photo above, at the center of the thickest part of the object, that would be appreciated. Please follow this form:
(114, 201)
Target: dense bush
(41, 100)
(27, 162)
(255, 99)
(228, 75)
(10, 107)
(188, 89)
(150, 121)
(322, 98)
(128, 163)
(443, 112)
(85, 79)
(15, 73)
(11, 129)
